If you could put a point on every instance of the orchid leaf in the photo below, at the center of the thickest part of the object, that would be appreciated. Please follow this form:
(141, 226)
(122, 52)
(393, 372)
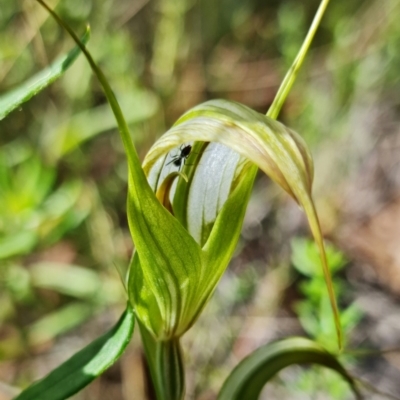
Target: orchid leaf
(22, 93)
(85, 366)
(247, 380)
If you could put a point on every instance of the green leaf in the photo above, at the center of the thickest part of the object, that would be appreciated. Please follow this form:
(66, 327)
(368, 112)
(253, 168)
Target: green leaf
(58, 322)
(248, 379)
(68, 279)
(141, 105)
(84, 366)
(17, 243)
(22, 93)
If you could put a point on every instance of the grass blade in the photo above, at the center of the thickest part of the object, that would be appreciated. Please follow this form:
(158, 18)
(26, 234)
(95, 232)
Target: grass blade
(22, 93)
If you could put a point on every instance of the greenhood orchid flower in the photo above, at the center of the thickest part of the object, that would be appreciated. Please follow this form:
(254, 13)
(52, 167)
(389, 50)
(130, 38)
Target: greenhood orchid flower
(191, 237)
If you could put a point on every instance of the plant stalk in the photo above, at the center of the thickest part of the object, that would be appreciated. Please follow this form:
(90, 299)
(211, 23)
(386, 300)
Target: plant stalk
(291, 75)
(166, 367)
(273, 112)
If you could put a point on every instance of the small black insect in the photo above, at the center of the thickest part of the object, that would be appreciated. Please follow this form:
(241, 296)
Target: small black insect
(184, 152)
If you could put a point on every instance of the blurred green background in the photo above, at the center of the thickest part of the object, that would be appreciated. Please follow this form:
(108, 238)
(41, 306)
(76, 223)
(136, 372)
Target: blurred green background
(64, 240)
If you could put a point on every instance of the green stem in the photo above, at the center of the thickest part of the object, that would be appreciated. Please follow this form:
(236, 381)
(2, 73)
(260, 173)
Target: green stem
(291, 75)
(133, 157)
(273, 112)
(166, 366)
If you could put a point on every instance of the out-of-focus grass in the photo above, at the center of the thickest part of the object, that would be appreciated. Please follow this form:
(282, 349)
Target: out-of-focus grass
(62, 169)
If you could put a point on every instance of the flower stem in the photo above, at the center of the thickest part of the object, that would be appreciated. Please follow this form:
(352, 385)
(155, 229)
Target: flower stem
(291, 75)
(165, 363)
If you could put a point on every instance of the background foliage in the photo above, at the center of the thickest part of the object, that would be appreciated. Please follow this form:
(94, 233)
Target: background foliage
(64, 240)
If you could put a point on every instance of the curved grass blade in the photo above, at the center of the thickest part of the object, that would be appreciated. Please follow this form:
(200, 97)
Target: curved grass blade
(86, 365)
(22, 93)
(248, 379)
